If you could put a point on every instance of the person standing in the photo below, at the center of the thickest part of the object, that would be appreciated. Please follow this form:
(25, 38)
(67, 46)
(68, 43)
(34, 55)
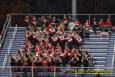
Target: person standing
(94, 25)
(87, 27)
(108, 25)
(27, 21)
(101, 25)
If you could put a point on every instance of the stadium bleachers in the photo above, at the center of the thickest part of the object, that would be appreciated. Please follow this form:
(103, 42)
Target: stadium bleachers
(100, 48)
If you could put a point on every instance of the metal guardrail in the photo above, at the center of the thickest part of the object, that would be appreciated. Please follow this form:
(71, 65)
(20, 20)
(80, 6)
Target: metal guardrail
(9, 48)
(4, 31)
(56, 72)
(19, 17)
(57, 14)
(10, 45)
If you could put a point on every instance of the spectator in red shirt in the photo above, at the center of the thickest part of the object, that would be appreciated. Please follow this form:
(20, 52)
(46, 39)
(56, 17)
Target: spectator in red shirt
(87, 24)
(108, 25)
(45, 62)
(87, 27)
(101, 22)
(77, 23)
(101, 25)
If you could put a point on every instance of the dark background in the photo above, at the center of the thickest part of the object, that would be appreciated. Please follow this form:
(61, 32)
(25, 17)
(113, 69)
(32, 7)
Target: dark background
(55, 7)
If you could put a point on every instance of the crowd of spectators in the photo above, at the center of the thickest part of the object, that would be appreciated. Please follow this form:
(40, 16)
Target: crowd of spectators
(57, 43)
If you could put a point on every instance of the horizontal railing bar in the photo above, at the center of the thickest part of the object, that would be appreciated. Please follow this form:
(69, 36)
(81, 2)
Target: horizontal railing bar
(104, 67)
(57, 14)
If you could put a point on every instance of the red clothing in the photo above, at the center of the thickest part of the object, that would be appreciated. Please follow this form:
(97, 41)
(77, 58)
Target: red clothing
(87, 24)
(34, 21)
(27, 19)
(37, 49)
(42, 19)
(26, 39)
(53, 21)
(65, 53)
(101, 23)
(52, 68)
(77, 23)
(108, 23)
(45, 63)
(65, 20)
(49, 27)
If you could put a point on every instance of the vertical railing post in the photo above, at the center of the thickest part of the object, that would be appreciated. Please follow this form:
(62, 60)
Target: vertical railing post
(113, 59)
(10, 71)
(75, 71)
(10, 19)
(32, 72)
(4, 31)
(89, 16)
(55, 71)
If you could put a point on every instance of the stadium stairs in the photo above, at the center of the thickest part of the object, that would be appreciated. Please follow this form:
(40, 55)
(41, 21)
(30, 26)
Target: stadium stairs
(16, 43)
(101, 49)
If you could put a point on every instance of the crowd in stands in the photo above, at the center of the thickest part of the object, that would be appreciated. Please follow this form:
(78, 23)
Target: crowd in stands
(58, 43)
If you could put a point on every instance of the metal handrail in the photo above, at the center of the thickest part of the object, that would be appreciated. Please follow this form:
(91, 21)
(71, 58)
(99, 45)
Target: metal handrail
(9, 46)
(113, 58)
(4, 31)
(96, 67)
(56, 14)
(5, 24)
(31, 71)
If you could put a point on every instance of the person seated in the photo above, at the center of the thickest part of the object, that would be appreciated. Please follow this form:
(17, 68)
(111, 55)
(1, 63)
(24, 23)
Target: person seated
(104, 35)
(101, 25)
(87, 28)
(108, 25)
